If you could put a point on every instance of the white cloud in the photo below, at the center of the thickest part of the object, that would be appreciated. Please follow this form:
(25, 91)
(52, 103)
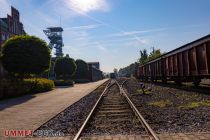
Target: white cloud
(87, 5)
(85, 27)
(100, 46)
(128, 33)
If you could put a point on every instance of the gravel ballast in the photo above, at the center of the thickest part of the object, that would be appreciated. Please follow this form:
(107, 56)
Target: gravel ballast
(70, 120)
(169, 109)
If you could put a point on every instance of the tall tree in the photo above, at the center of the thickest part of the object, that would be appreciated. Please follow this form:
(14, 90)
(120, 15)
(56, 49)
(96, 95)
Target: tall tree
(154, 54)
(143, 56)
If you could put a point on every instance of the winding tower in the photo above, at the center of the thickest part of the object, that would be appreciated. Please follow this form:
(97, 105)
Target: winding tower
(54, 34)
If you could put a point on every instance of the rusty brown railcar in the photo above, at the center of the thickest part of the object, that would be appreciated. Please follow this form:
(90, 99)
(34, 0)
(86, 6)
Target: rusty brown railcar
(188, 63)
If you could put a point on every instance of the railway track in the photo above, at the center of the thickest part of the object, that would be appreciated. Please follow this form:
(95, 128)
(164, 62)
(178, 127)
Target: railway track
(114, 113)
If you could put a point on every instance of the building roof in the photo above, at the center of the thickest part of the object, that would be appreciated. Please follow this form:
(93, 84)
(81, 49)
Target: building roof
(93, 62)
(55, 29)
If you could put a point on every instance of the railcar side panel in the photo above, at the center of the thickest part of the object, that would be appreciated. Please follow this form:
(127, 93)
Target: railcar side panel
(163, 67)
(208, 56)
(180, 64)
(147, 70)
(175, 66)
(170, 65)
(167, 66)
(159, 68)
(192, 62)
(143, 71)
(201, 59)
(152, 69)
(185, 63)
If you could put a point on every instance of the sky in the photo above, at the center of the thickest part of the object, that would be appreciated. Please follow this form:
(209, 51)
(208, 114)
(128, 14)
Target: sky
(114, 31)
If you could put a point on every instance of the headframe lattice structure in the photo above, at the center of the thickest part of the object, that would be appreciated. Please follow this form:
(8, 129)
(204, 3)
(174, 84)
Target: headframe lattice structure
(54, 34)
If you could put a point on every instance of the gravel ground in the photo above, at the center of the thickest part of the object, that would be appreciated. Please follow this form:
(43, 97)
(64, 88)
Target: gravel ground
(70, 120)
(169, 109)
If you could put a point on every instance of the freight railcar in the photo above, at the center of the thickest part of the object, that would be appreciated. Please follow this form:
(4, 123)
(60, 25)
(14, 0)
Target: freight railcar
(112, 75)
(188, 63)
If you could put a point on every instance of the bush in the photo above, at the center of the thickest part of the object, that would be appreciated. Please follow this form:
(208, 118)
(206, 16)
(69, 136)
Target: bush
(64, 83)
(65, 68)
(40, 84)
(81, 80)
(17, 88)
(82, 69)
(25, 55)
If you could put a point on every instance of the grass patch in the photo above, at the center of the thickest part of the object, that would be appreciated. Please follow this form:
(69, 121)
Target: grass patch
(187, 96)
(195, 104)
(139, 91)
(161, 103)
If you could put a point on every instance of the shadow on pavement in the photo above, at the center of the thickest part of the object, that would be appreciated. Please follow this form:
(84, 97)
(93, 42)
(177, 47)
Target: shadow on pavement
(14, 101)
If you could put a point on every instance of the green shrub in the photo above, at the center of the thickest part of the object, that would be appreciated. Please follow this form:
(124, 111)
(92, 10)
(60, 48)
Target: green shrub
(17, 88)
(25, 55)
(64, 83)
(82, 69)
(81, 80)
(13, 88)
(39, 85)
(65, 68)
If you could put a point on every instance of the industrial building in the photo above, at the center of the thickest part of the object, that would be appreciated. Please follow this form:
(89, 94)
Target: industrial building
(10, 26)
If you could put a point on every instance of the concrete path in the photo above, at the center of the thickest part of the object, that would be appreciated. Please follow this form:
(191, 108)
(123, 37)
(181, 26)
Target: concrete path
(31, 111)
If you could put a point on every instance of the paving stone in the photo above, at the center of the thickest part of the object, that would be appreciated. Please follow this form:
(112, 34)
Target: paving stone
(38, 108)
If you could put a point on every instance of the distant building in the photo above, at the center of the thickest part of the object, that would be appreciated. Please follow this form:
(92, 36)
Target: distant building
(94, 64)
(9, 27)
(94, 72)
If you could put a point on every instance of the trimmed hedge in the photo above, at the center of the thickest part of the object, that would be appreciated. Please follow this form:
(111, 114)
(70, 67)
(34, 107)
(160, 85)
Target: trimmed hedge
(64, 82)
(81, 80)
(17, 88)
(40, 85)
(25, 55)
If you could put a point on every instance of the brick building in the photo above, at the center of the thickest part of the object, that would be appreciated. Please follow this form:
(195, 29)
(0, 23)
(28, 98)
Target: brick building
(9, 27)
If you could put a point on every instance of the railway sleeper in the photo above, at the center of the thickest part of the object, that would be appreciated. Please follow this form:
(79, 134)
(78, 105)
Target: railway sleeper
(116, 126)
(116, 120)
(115, 111)
(113, 114)
(114, 108)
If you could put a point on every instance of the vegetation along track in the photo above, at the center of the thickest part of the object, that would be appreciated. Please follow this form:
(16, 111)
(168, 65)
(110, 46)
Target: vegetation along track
(114, 113)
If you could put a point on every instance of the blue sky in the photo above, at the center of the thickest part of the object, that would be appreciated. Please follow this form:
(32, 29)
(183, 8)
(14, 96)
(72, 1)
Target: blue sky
(113, 31)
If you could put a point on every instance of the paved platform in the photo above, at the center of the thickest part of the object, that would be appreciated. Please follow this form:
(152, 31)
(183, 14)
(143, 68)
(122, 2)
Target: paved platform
(31, 111)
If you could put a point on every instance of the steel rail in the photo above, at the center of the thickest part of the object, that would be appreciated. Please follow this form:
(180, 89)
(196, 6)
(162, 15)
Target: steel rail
(138, 114)
(91, 112)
